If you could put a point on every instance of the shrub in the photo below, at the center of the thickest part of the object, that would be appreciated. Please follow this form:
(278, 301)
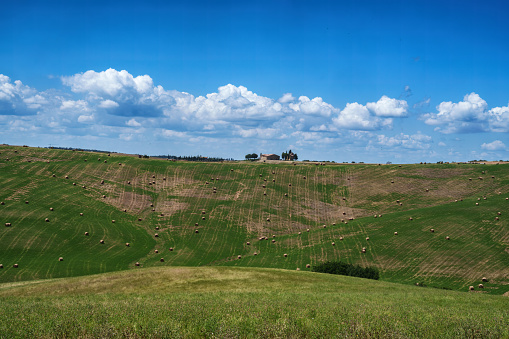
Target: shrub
(341, 268)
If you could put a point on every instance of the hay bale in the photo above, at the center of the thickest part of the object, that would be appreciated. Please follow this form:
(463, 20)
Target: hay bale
(307, 230)
(105, 161)
(47, 220)
(285, 255)
(432, 230)
(67, 177)
(484, 279)
(202, 218)
(298, 269)
(74, 184)
(195, 224)
(375, 215)
(248, 243)
(113, 221)
(341, 238)
(367, 238)
(156, 235)
(137, 264)
(477, 204)
(496, 218)
(60, 259)
(15, 265)
(379, 215)
(395, 233)
(308, 266)
(1, 266)
(499, 213)
(125, 210)
(447, 238)
(139, 219)
(2, 203)
(273, 236)
(161, 260)
(195, 231)
(263, 186)
(171, 249)
(481, 286)
(129, 183)
(127, 244)
(304, 177)
(53, 175)
(333, 244)
(427, 190)
(255, 253)
(363, 250)
(273, 241)
(264, 193)
(101, 241)
(268, 219)
(202, 212)
(410, 219)
(324, 226)
(83, 186)
(104, 197)
(273, 180)
(264, 179)
(26, 202)
(471, 288)
(102, 182)
(81, 214)
(290, 185)
(51, 209)
(286, 194)
(300, 233)
(86, 233)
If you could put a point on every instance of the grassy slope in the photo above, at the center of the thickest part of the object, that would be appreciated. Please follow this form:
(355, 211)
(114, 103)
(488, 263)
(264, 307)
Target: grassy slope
(238, 214)
(243, 302)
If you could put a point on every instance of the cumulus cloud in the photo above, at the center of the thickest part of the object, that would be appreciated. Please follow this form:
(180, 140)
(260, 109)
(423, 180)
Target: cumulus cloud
(133, 123)
(358, 117)
(467, 116)
(388, 107)
(496, 145)
(18, 99)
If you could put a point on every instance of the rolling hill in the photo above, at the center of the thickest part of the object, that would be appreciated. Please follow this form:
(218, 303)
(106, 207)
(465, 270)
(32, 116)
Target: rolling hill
(140, 213)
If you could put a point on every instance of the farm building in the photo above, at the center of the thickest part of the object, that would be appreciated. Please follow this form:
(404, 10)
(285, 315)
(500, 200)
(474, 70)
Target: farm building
(269, 157)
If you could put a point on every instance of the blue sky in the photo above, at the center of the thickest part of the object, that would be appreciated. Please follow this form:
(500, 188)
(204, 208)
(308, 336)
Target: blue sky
(373, 81)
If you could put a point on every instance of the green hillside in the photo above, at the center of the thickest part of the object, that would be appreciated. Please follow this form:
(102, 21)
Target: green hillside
(239, 302)
(174, 205)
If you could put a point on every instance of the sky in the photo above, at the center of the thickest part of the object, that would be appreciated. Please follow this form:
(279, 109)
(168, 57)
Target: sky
(371, 81)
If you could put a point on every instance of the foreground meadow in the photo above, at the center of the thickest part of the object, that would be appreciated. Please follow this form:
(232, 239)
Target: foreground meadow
(228, 302)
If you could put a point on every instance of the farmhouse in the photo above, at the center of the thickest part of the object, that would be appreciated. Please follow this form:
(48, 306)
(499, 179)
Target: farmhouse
(269, 157)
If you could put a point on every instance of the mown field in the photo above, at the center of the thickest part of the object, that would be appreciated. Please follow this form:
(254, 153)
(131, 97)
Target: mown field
(240, 302)
(209, 214)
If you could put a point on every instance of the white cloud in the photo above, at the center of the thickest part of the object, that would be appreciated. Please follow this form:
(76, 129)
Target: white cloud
(358, 117)
(173, 134)
(442, 144)
(108, 104)
(496, 145)
(416, 141)
(86, 118)
(133, 123)
(388, 107)
(314, 106)
(286, 98)
(467, 116)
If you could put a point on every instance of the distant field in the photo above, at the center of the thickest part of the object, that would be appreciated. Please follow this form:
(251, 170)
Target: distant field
(207, 227)
(239, 302)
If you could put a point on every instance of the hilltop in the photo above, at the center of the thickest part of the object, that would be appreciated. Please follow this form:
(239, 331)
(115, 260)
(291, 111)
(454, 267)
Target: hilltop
(159, 213)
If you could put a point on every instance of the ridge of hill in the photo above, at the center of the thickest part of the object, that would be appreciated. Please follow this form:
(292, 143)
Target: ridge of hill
(164, 213)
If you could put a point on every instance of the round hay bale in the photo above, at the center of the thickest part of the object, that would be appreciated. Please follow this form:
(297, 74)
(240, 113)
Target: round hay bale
(260, 175)
(129, 183)
(484, 279)
(324, 226)
(499, 213)
(375, 215)
(161, 260)
(304, 177)
(53, 175)
(506, 198)
(137, 264)
(477, 204)
(248, 243)
(290, 185)
(171, 249)
(2, 203)
(195, 224)
(153, 210)
(156, 235)
(153, 177)
(427, 190)
(447, 238)
(341, 238)
(217, 179)
(367, 238)
(47, 220)
(308, 266)
(67, 177)
(139, 219)
(202, 218)
(113, 221)
(8, 224)
(157, 228)
(83, 186)
(286, 194)
(264, 193)
(379, 215)
(363, 250)
(127, 244)
(300, 233)
(15, 265)
(333, 244)
(481, 286)
(410, 218)
(285, 255)
(1, 266)
(98, 159)
(102, 182)
(492, 177)
(273, 180)
(432, 230)
(470, 288)
(195, 231)
(273, 241)
(255, 253)
(51, 209)
(26, 202)
(162, 214)
(101, 241)
(333, 224)
(105, 161)
(86, 233)
(81, 214)
(485, 198)
(60, 259)
(202, 212)
(268, 219)
(344, 213)
(298, 269)
(392, 181)
(125, 210)
(263, 186)
(395, 233)
(104, 197)
(264, 179)
(74, 184)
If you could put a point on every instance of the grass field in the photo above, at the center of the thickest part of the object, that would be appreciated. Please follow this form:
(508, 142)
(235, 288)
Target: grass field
(209, 212)
(237, 302)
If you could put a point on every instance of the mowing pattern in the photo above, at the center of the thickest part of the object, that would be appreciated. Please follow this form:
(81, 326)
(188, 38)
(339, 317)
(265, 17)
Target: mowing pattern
(280, 215)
